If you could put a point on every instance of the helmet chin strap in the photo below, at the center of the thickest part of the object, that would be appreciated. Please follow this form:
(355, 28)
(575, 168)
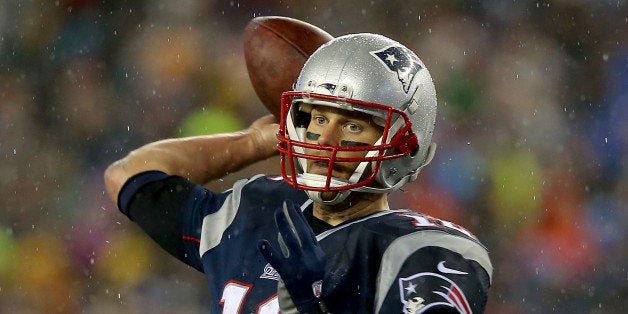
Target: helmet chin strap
(318, 180)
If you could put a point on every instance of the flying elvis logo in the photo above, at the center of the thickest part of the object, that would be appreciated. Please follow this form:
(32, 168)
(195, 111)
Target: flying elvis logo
(416, 300)
(399, 60)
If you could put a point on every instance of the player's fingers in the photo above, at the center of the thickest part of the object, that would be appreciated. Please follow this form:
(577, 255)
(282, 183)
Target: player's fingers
(302, 227)
(271, 255)
(295, 213)
(287, 229)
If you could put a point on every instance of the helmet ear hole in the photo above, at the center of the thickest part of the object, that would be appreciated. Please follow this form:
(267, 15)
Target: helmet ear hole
(409, 144)
(415, 150)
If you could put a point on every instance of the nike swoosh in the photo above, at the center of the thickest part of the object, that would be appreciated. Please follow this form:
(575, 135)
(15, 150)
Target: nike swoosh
(441, 268)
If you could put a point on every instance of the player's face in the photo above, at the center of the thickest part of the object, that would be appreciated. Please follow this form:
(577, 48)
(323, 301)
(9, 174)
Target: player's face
(336, 127)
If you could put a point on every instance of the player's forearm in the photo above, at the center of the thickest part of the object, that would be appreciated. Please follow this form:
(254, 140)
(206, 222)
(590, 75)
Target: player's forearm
(201, 158)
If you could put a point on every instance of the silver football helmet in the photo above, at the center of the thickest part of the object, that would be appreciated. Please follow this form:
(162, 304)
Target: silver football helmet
(365, 73)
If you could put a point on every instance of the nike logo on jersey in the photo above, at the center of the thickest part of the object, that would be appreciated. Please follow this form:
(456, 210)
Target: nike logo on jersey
(446, 270)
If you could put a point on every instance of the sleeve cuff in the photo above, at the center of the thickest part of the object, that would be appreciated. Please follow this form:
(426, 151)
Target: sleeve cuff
(133, 184)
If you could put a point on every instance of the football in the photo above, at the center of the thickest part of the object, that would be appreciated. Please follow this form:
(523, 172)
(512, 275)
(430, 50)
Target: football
(275, 49)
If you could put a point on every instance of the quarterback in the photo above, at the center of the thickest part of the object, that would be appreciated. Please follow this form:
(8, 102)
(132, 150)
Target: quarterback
(319, 237)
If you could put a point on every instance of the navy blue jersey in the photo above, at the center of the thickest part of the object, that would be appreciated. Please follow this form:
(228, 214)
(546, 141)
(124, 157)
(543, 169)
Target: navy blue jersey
(393, 261)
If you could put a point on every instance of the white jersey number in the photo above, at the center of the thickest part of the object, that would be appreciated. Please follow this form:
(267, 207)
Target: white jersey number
(234, 293)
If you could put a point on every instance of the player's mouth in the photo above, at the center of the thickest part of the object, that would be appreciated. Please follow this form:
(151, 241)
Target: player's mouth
(321, 167)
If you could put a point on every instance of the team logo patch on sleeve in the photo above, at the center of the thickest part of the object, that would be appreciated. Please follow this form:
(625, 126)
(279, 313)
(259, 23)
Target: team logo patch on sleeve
(417, 299)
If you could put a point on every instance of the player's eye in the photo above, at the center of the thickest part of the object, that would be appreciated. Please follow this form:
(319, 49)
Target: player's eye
(320, 120)
(353, 127)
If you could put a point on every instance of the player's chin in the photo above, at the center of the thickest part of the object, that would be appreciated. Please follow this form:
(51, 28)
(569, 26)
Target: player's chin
(328, 196)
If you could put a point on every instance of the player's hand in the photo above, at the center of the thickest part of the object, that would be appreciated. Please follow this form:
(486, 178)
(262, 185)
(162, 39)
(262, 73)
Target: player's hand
(264, 132)
(300, 261)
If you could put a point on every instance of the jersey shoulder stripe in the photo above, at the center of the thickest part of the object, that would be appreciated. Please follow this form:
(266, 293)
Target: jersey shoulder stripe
(246, 196)
(215, 224)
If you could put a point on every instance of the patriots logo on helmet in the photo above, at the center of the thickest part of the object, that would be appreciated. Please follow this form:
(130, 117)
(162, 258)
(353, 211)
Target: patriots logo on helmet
(399, 60)
(416, 299)
(328, 86)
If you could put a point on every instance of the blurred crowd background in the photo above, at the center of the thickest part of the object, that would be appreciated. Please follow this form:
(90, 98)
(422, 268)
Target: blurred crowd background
(532, 133)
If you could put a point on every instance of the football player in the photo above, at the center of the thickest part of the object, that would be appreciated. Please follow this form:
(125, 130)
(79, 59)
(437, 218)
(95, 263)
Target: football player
(320, 237)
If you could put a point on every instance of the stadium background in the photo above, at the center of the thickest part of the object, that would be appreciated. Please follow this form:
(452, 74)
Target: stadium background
(531, 129)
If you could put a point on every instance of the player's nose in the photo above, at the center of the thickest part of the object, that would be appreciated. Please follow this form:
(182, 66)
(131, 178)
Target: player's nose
(329, 135)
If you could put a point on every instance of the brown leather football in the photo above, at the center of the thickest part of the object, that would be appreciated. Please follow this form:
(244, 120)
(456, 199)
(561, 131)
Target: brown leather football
(275, 49)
